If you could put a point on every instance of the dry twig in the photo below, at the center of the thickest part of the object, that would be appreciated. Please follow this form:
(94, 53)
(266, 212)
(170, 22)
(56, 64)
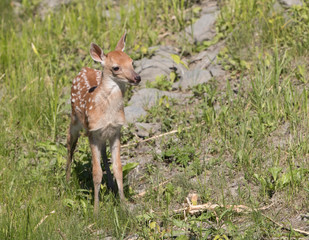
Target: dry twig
(286, 228)
(149, 139)
(158, 136)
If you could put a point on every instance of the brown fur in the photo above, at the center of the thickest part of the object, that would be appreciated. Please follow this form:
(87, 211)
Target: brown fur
(97, 106)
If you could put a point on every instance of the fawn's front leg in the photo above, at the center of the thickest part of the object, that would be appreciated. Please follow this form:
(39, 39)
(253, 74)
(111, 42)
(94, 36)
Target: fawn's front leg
(117, 167)
(97, 172)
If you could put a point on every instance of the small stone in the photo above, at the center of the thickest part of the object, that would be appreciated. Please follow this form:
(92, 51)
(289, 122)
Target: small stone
(216, 71)
(205, 58)
(132, 113)
(159, 64)
(147, 97)
(203, 29)
(193, 78)
(46, 6)
(144, 129)
(290, 3)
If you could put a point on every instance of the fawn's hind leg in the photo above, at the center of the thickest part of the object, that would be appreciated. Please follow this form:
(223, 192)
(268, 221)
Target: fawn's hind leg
(110, 181)
(72, 137)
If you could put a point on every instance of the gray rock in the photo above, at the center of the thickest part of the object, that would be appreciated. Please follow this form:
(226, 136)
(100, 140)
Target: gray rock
(216, 70)
(133, 112)
(290, 3)
(192, 78)
(148, 97)
(144, 129)
(145, 99)
(205, 58)
(17, 7)
(163, 51)
(277, 8)
(203, 29)
(50, 5)
(132, 237)
(107, 14)
(160, 64)
(210, 7)
(149, 69)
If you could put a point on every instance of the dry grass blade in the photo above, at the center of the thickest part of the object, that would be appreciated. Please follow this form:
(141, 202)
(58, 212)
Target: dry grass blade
(63, 236)
(43, 219)
(2, 76)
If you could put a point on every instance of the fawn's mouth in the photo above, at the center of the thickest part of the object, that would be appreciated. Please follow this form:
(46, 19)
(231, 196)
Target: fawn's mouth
(134, 83)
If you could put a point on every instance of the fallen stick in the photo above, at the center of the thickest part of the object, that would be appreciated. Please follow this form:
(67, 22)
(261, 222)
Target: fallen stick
(286, 228)
(157, 136)
(193, 209)
(43, 219)
(149, 139)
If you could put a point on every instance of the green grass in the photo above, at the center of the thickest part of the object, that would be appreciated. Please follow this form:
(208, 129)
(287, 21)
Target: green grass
(249, 130)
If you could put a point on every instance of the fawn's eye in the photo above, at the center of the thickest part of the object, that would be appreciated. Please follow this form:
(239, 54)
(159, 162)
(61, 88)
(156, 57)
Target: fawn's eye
(115, 68)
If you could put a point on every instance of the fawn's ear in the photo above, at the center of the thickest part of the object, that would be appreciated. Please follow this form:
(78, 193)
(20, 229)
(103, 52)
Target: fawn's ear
(97, 53)
(121, 43)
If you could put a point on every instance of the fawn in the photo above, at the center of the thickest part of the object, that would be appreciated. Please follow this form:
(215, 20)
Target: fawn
(97, 106)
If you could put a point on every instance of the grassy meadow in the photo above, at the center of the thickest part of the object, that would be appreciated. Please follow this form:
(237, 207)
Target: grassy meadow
(241, 140)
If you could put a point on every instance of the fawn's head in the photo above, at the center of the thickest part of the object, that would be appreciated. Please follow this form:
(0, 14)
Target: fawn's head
(117, 64)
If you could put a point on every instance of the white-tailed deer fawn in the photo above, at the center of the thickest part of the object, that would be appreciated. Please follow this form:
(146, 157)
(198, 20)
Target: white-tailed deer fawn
(97, 106)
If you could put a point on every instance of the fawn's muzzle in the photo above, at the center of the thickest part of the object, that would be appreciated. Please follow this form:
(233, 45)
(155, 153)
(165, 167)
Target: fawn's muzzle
(137, 79)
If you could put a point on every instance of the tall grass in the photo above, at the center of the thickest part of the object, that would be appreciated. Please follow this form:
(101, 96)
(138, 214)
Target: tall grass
(38, 60)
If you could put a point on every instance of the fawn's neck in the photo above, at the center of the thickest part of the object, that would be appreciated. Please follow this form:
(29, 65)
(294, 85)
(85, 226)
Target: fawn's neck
(110, 94)
(109, 105)
(110, 86)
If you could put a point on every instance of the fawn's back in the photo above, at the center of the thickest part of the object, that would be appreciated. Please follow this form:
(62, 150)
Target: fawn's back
(82, 88)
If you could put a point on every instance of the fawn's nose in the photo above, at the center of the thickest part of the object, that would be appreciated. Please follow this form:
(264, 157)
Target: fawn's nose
(137, 78)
